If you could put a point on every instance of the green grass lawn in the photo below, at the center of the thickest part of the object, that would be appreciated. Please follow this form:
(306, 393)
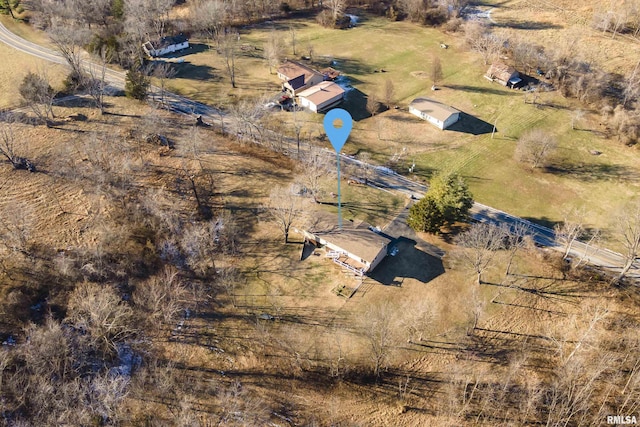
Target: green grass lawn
(599, 184)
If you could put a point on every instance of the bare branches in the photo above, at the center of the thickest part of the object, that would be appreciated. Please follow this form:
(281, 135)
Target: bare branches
(570, 230)
(435, 73)
(162, 296)
(628, 228)
(228, 48)
(100, 311)
(480, 244)
(535, 147)
(68, 40)
(273, 50)
(284, 208)
(38, 93)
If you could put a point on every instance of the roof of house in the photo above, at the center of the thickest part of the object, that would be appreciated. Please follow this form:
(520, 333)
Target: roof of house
(500, 71)
(330, 73)
(293, 69)
(322, 92)
(433, 108)
(297, 82)
(168, 41)
(355, 237)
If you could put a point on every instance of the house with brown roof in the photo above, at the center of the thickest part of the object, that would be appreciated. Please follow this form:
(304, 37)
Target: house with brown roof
(435, 112)
(356, 246)
(503, 74)
(321, 97)
(297, 77)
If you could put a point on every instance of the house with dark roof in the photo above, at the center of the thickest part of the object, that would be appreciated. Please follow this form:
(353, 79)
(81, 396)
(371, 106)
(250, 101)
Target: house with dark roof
(297, 77)
(435, 112)
(503, 74)
(356, 246)
(165, 45)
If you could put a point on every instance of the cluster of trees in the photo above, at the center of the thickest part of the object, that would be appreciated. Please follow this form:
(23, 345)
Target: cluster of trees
(80, 354)
(613, 94)
(624, 18)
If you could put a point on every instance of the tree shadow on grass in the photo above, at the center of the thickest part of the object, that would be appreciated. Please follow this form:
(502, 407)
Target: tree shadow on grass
(593, 172)
(471, 124)
(409, 263)
(355, 102)
(479, 89)
(187, 70)
(529, 25)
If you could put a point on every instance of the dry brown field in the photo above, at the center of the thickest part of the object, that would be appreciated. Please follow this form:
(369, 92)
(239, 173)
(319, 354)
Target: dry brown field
(509, 339)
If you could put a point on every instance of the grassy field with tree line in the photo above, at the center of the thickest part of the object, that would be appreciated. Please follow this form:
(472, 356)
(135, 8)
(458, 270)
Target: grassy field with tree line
(149, 274)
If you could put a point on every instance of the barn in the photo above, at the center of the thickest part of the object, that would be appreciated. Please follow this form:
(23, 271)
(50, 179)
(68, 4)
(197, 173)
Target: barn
(503, 74)
(440, 115)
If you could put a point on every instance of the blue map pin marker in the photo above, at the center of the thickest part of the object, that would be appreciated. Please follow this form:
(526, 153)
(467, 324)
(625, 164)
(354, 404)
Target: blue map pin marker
(338, 136)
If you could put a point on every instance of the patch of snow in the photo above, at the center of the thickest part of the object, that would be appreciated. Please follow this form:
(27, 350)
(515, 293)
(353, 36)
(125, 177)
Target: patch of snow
(353, 19)
(128, 360)
(344, 83)
(384, 169)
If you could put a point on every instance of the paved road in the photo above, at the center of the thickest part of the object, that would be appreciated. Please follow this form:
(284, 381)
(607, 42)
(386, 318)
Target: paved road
(381, 177)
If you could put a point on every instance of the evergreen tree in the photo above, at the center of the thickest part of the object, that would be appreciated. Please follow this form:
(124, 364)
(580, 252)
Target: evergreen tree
(11, 7)
(136, 85)
(448, 200)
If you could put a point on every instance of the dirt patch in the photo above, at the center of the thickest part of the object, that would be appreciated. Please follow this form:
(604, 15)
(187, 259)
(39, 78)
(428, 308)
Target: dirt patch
(420, 75)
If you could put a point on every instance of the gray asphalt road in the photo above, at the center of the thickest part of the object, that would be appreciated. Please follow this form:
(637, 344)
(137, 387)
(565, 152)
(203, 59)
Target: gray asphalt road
(383, 178)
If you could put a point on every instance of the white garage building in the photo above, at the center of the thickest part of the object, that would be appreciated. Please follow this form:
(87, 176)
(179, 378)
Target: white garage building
(435, 112)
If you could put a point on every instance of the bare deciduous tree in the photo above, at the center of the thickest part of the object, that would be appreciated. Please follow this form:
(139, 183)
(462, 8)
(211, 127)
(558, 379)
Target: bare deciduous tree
(68, 40)
(515, 239)
(389, 92)
(38, 93)
(365, 166)
(273, 50)
(100, 311)
(337, 8)
(478, 37)
(435, 73)
(162, 296)
(96, 80)
(293, 34)
(163, 72)
(198, 243)
(373, 105)
(570, 230)
(535, 147)
(284, 208)
(380, 332)
(479, 244)
(210, 16)
(628, 228)
(229, 278)
(316, 166)
(229, 51)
